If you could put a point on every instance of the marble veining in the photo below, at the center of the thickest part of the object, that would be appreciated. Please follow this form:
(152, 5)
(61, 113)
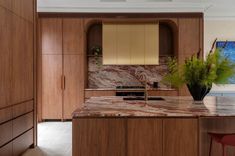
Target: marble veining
(110, 76)
(172, 107)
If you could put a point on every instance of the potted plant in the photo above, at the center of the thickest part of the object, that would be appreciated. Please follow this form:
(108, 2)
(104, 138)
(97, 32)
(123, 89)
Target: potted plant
(199, 74)
(96, 51)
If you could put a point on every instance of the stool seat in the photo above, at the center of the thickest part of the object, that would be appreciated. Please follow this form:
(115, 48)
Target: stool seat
(223, 139)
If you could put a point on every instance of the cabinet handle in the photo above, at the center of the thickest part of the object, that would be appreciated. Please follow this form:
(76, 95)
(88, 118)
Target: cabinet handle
(64, 82)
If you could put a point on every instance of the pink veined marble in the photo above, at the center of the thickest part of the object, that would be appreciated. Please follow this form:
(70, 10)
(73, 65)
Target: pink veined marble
(110, 76)
(110, 106)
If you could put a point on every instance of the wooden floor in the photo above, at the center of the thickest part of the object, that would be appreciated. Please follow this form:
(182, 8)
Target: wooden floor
(54, 139)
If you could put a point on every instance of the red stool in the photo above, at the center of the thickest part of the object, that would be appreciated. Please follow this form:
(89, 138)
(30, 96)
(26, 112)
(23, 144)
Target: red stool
(224, 139)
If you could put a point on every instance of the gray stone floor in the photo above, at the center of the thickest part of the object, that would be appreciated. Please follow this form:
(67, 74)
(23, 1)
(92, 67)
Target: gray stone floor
(54, 139)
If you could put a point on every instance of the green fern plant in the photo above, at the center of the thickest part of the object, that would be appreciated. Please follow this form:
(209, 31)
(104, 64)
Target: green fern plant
(216, 68)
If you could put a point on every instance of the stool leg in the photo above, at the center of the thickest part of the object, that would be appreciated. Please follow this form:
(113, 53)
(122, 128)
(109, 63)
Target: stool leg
(223, 148)
(210, 147)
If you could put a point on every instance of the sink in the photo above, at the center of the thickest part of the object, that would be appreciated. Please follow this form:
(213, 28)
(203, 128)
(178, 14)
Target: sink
(142, 98)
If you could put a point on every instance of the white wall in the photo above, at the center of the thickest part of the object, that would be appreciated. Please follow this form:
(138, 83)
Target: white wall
(223, 30)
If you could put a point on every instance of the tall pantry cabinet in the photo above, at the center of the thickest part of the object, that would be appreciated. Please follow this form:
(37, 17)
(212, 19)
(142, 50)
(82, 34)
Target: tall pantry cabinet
(62, 62)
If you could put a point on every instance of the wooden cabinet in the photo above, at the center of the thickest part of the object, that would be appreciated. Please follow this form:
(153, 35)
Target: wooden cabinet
(16, 73)
(62, 85)
(6, 3)
(144, 137)
(100, 137)
(62, 36)
(22, 124)
(18, 145)
(22, 108)
(180, 137)
(52, 86)
(73, 36)
(5, 114)
(74, 84)
(5, 57)
(135, 136)
(22, 70)
(51, 35)
(134, 44)
(23, 142)
(215, 125)
(24, 9)
(62, 66)
(190, 37)
(15, 123)
(6, 150)
(6, 133)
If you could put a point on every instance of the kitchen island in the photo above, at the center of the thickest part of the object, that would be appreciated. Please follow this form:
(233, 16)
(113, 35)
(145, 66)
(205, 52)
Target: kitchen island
(175, 126)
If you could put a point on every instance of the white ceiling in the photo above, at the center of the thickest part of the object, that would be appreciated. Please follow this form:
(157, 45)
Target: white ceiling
(213, 9)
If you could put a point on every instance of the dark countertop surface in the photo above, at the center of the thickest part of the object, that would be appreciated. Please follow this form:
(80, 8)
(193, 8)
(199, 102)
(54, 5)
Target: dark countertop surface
(111, 106)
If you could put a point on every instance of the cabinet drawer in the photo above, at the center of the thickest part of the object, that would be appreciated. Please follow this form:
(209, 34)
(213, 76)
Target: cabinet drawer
(6, 150)
(22, 124)
(22, 143)
(5, 114)
(23, 108)
(6, 133)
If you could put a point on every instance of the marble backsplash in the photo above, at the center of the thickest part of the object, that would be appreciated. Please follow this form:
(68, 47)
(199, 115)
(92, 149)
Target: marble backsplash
(110, 76)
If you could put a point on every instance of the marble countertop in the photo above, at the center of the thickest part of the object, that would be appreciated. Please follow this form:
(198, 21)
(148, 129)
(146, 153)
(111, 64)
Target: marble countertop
(110, 106)
(114, 89)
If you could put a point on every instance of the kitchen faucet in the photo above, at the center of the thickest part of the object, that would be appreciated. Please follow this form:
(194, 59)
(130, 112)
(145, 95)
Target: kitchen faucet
(142, 77)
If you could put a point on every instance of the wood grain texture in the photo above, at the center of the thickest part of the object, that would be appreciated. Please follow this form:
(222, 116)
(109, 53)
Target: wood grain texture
(99, 137)
(6, 133)
(5, 114)
(6, 150)
(5, 57)
(180, 137)
(166, 42)
(190, 42)
(16, 65)
(74, 84)
(23, 142)
(22, 124)
(216, 125)
(22, 72)
(73, 32)
(51, 87)
(22, 108)
(144, 137)
(6, 4)
(51, 35)
(94, 35)
(39, 72)
(24, 9)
